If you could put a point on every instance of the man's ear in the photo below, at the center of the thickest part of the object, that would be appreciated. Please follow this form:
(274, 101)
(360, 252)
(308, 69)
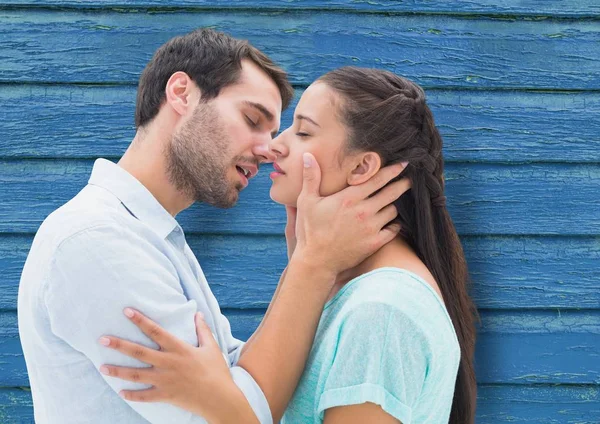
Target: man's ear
(182, 94)
(364, 166)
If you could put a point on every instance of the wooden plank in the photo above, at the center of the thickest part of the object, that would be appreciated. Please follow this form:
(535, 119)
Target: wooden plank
(565, 8)
(16, 405)
(547, 199)
(507, 272)
(547, 347)
(496, 404)
(435, 50)
(538, 404)
(477, 126)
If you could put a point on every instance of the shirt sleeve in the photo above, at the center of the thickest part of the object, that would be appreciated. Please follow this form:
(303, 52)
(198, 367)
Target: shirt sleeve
(381, 357)
(94, 276)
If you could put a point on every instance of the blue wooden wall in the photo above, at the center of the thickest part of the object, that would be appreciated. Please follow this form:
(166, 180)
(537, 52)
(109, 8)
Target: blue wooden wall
(515, 90)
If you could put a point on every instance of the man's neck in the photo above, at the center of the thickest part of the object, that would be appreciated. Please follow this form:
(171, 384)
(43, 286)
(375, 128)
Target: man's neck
(145, 160)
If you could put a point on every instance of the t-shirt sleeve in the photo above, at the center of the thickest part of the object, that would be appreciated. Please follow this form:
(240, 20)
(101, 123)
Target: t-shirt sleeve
(381, 357)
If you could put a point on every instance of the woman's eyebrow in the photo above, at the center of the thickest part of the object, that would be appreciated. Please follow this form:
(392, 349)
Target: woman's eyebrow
(306, 118)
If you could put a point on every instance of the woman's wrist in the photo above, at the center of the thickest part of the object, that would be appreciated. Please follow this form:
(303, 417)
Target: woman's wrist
(312, 266)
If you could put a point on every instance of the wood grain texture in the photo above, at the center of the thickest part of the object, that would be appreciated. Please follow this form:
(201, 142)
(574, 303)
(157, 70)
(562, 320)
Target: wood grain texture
(550, 199)
(496, 405)
(514, 88)
(67, 121)
(507, 272)
(548, 347)
(440, 51)
(564, 8)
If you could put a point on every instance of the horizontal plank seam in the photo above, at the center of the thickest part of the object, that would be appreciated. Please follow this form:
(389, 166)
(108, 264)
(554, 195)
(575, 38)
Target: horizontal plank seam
(486, 310)
(479, 385)
(346, 10)
(267, 235)
(18, 234)
(515, 89)
(74, 159)
(20, 158)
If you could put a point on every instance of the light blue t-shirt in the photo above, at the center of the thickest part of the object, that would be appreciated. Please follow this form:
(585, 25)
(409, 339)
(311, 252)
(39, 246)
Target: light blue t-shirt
(385, 338)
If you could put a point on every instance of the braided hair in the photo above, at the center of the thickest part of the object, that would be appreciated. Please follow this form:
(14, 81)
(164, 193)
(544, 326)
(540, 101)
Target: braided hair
(388, 114)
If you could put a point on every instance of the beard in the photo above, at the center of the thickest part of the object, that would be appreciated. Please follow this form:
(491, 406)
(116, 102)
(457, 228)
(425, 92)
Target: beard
(197, 163)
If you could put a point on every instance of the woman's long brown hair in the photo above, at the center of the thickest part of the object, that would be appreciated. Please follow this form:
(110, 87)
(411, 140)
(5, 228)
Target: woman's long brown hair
(387, 114)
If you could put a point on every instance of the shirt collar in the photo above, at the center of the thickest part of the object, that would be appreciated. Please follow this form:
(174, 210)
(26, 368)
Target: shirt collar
(134, 196)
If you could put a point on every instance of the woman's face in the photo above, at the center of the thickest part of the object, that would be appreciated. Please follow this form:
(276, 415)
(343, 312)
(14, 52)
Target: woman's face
(318, 130)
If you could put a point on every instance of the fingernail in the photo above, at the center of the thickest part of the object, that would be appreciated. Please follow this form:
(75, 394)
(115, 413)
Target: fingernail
(307, 160)
(105, 341)
(104, 370)
(200, 315)
(128, 312)
(404, 164)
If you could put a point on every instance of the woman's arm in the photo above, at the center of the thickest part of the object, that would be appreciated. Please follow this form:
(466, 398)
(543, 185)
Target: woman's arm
(278, 352)
(358, 414)
(290, 239)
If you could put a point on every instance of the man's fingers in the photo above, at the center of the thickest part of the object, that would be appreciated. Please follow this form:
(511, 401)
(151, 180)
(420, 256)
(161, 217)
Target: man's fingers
(133, 350)
(379, 180)
(137, 375)
(155, 332)
(388, 194)
(311, 176)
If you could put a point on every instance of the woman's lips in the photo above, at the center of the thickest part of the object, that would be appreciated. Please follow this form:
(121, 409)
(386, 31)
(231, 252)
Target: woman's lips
(278, 171)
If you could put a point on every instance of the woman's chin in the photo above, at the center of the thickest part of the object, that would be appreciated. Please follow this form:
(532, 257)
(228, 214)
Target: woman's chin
(284, 200)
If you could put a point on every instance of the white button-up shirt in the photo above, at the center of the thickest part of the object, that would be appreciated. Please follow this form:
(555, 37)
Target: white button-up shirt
(112, 246)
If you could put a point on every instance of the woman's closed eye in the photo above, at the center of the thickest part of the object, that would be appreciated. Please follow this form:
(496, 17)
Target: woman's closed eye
(302, 134)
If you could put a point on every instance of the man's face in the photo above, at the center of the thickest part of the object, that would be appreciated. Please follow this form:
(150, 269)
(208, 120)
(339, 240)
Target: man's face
(222, 144)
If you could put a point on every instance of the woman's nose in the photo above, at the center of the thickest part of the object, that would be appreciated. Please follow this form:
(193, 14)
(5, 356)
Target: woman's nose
(278, 147)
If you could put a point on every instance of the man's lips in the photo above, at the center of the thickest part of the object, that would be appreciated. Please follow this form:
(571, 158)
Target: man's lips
(247, 170)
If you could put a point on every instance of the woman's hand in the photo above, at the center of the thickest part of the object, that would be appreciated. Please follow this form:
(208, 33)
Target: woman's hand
(193, 378)
(290, 230)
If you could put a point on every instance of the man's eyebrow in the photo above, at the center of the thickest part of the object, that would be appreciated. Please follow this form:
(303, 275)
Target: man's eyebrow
(268, 114)
(306, 118)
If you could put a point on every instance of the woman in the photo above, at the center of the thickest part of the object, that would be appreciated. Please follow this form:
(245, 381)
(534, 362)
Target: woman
(395, 341)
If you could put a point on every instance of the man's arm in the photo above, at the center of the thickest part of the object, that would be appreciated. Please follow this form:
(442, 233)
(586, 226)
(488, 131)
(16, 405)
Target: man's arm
(94, 276)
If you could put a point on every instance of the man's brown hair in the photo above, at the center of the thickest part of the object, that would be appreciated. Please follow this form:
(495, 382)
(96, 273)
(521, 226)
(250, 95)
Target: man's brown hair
(212, 59)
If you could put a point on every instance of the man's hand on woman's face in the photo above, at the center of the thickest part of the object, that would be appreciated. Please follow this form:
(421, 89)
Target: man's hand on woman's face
(340, 231)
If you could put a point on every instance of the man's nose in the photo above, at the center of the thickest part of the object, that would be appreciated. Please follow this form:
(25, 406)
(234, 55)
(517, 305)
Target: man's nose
(264, 152)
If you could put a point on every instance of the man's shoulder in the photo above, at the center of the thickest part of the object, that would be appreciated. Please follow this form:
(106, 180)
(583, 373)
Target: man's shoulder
(83, 213)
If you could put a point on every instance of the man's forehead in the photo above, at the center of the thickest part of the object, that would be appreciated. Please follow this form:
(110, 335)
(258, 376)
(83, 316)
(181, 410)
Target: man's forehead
(258, 83)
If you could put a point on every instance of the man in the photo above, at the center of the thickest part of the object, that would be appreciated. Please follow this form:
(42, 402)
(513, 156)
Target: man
(207, 107)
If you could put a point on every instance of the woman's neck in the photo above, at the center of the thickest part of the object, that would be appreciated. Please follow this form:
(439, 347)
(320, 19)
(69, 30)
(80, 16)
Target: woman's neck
(396, 253)
(392, 254)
